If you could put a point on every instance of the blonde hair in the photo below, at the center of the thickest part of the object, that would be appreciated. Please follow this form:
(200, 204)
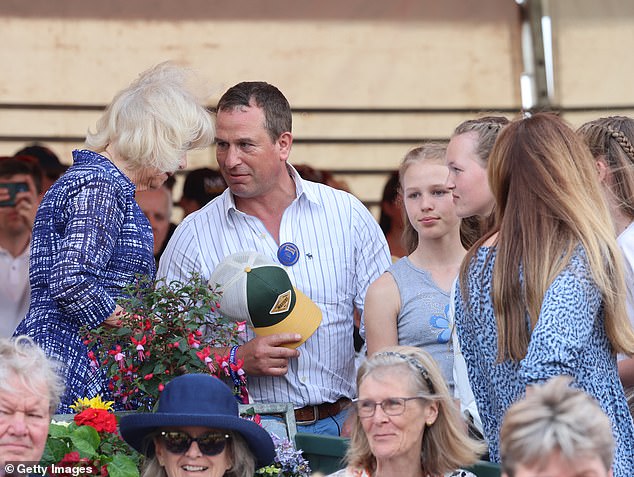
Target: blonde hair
(446, 446)
(611, 140)
(548, 203)
(555, 417)
(23, 359)
(155, 120)
(433, 153)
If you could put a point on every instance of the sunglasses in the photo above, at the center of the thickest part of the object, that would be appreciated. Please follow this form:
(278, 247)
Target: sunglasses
(178, 442)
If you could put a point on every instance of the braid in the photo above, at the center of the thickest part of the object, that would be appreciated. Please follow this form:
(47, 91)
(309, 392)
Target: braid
(623, 141)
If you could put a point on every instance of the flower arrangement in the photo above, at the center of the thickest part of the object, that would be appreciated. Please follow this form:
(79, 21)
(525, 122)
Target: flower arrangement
(289, 462)
(165, 330)
(90, 445)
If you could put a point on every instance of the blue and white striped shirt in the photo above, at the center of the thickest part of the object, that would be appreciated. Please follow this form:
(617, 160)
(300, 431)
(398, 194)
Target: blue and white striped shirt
(342, 251)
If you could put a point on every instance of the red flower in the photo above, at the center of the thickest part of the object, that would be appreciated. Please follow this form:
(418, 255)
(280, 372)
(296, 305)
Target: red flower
(100, 419)
(70, 458)
(192, 341)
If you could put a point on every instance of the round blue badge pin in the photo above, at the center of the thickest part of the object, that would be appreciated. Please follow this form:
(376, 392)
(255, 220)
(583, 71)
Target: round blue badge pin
(288, 254)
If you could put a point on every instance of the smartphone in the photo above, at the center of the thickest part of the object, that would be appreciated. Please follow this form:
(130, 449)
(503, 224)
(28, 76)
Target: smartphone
(14, 188)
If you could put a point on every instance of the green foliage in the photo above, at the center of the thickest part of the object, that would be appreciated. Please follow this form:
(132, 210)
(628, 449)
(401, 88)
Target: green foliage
(72, 445)
(166, 330)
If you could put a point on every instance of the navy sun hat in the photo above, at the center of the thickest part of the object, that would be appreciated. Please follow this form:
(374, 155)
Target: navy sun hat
(198, 400)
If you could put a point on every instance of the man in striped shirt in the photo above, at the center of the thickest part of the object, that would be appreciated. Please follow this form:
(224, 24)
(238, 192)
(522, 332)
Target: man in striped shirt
(340, 251)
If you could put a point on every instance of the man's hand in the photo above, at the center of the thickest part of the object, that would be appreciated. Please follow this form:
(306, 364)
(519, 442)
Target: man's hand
(265, 355)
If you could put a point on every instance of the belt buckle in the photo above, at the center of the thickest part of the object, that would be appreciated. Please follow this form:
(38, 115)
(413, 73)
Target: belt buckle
(313, 420)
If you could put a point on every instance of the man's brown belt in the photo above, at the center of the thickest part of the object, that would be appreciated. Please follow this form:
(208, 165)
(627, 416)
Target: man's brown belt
(310, 414)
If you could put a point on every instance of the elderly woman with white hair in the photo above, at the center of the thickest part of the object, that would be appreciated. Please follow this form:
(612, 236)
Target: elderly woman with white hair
(30, 389)
(90, 238)
(556, 431)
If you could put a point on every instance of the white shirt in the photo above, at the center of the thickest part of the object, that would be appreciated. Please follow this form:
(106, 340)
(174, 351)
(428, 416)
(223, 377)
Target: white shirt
(462, 386)
(342, 250)
(15, 291)
(626, 243)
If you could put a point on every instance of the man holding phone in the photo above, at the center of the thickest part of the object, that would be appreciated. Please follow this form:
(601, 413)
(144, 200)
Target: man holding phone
(20, 187)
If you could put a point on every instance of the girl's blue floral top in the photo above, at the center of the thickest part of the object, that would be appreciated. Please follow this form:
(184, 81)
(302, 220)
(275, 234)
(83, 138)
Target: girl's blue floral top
(568, 339)
(90, 240)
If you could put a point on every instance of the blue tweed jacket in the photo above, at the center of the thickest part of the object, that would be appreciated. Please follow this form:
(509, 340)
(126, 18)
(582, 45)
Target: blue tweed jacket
(90, 240)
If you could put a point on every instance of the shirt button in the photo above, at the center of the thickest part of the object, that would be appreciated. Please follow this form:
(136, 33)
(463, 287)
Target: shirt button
(303, 379)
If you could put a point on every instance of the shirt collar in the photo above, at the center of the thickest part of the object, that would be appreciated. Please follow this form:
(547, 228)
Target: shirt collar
(303, 190)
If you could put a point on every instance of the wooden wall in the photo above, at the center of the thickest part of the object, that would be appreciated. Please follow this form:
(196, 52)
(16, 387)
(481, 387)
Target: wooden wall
(368, 79)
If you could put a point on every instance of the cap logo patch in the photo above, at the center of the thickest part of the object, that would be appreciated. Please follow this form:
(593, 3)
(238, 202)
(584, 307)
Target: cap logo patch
(282, 304)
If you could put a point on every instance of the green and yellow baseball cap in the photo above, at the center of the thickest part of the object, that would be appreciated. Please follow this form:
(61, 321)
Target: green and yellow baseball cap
(259, 291)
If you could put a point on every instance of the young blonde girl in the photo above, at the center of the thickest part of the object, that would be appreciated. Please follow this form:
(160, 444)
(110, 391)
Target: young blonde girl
(408, 304)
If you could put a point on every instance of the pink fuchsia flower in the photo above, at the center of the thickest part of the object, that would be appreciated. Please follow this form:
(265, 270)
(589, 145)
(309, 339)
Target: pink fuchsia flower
(94, 365)
(241, 328)
(223, 363)
(139, 346)
(237, 368)
(204, 356)
(118, 356)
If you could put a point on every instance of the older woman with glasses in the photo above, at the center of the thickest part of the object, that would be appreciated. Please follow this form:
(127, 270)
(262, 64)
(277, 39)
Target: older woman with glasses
(406, 423)
(197, 429)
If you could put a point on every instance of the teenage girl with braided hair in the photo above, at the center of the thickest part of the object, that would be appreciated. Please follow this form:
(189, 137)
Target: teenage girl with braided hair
(467, 159)
(611, 142)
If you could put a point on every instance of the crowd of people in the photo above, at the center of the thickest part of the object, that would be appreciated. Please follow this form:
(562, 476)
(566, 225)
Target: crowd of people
(500, 276)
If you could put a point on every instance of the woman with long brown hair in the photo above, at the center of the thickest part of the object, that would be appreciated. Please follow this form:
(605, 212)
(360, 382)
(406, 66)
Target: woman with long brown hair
(541, 294)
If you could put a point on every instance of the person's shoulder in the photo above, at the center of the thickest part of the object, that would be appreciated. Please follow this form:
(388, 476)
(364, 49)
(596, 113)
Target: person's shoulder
(96, 174)
(402, 263)
(384, 284)
(206, 223)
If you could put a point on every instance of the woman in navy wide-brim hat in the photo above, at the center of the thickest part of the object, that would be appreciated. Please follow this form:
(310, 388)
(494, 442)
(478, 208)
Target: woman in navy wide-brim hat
(197, 428)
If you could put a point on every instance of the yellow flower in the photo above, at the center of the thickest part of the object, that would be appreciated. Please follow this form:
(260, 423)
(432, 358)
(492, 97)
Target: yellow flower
(82, 404)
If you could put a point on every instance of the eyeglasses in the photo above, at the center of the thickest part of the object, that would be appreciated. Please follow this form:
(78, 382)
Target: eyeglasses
(178, 442)
(391, 406)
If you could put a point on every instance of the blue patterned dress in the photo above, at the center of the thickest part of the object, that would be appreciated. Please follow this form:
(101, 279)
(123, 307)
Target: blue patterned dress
(90, 240)
(569, 339)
